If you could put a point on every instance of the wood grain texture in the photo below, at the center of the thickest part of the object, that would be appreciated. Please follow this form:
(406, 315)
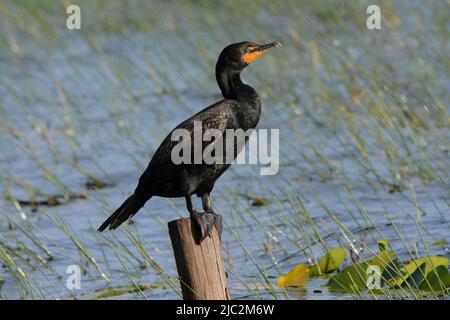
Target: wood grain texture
(200, 266)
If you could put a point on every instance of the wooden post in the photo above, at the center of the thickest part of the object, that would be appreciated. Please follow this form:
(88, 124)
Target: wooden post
(200, 266)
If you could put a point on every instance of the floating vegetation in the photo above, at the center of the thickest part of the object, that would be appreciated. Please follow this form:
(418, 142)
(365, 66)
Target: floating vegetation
(424, 274)
(119, 291)
(299, 275)
(94, 184)
(50, 201)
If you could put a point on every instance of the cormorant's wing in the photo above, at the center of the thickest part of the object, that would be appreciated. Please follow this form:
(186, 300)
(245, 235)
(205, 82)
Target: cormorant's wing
(161, 168)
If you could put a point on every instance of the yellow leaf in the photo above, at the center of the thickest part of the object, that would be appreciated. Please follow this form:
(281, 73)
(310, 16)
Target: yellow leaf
(329, 262)
(297, 277)
(383, 259)
(383, 245)
(432, 262)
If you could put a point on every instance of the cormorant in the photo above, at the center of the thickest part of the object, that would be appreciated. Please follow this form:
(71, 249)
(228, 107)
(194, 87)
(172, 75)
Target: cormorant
(240, 109)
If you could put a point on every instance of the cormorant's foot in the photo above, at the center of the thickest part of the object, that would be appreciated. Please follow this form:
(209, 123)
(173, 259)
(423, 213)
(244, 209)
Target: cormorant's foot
(205, 221)
(217, 222)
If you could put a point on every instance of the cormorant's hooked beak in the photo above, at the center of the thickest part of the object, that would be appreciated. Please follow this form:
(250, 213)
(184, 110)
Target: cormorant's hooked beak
(257, 51)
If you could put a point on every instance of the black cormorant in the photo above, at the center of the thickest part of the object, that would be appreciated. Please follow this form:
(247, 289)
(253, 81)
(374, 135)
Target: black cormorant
(240, 109)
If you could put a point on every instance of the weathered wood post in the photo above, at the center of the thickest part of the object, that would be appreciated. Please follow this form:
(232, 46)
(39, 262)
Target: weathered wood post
(200, 266)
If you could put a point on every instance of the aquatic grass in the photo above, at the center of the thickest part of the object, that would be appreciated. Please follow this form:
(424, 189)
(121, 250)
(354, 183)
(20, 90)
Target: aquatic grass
(127, 273)
(58, 221)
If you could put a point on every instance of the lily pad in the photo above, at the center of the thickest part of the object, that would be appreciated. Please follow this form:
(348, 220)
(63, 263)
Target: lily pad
(354, 278)
(383, 259)
(296, 278)
(351, 279)
(330, 262)
(383, 245)
(417, 271)
(437, 280)
(409, 280)
(432, 262)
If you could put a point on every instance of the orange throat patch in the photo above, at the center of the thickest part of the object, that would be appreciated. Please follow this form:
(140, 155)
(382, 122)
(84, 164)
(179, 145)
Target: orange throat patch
(252, 56)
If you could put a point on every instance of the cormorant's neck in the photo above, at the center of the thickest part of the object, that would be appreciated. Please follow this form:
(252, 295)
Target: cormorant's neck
(232, 87)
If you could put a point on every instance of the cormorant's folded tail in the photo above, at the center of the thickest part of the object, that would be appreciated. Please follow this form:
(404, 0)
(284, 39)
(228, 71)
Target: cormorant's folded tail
(128, 209)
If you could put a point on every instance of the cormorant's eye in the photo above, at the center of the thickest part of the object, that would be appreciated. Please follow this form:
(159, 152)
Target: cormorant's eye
(247, 50)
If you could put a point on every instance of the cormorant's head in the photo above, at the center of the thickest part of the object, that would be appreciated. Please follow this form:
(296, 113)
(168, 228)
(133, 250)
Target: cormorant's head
(237, 56)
